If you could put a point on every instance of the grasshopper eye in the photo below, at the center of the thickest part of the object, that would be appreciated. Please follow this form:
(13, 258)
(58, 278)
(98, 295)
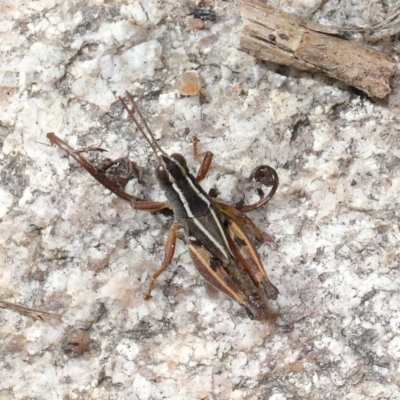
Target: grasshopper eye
(181, 160)
(162, 173)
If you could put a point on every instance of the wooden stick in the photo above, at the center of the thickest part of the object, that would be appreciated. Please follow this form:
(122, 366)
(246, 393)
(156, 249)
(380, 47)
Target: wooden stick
(273, 35)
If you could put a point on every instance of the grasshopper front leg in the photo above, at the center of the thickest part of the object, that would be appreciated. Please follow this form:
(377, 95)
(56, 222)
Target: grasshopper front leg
(204, 166)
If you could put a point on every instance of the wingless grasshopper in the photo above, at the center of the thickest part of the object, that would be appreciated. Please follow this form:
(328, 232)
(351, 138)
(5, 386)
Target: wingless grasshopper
(221, 250)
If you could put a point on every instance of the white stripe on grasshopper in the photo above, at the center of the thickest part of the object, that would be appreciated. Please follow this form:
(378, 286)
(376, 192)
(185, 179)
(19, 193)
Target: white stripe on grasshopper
(190, 213)
(201, 195)
(199, 224)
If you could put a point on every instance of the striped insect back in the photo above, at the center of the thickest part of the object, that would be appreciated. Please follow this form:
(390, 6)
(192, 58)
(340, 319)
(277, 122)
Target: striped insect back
(193, 208)
(214, 231)
(216, 255)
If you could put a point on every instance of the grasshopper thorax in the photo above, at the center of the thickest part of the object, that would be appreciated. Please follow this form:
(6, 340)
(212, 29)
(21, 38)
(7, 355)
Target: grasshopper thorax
(186, 198)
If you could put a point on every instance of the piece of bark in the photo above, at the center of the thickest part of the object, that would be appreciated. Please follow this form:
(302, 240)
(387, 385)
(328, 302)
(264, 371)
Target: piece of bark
(273, 35)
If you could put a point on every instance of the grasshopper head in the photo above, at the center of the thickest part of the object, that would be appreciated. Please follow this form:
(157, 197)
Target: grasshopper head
(171, 169)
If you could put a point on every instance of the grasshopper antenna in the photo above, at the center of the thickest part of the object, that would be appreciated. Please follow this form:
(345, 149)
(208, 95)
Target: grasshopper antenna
(149, 136)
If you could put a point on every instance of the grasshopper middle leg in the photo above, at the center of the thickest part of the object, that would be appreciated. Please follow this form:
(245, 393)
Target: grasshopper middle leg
(168, 256)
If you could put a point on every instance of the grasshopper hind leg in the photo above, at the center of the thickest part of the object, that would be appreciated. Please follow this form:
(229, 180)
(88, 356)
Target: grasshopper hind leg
(267, 176)
(243, 248)
(230, 279)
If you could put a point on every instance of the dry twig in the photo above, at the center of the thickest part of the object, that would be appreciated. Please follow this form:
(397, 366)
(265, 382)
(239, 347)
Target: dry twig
(272, 35)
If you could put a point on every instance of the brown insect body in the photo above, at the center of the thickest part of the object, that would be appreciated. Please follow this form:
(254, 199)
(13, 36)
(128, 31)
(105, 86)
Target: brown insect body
(214, 249)
(221, 250)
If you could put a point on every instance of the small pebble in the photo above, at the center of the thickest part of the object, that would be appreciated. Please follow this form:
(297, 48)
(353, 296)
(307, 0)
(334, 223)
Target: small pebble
(197, 23)
(188, 84)
(76, 341)
(240, 90)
